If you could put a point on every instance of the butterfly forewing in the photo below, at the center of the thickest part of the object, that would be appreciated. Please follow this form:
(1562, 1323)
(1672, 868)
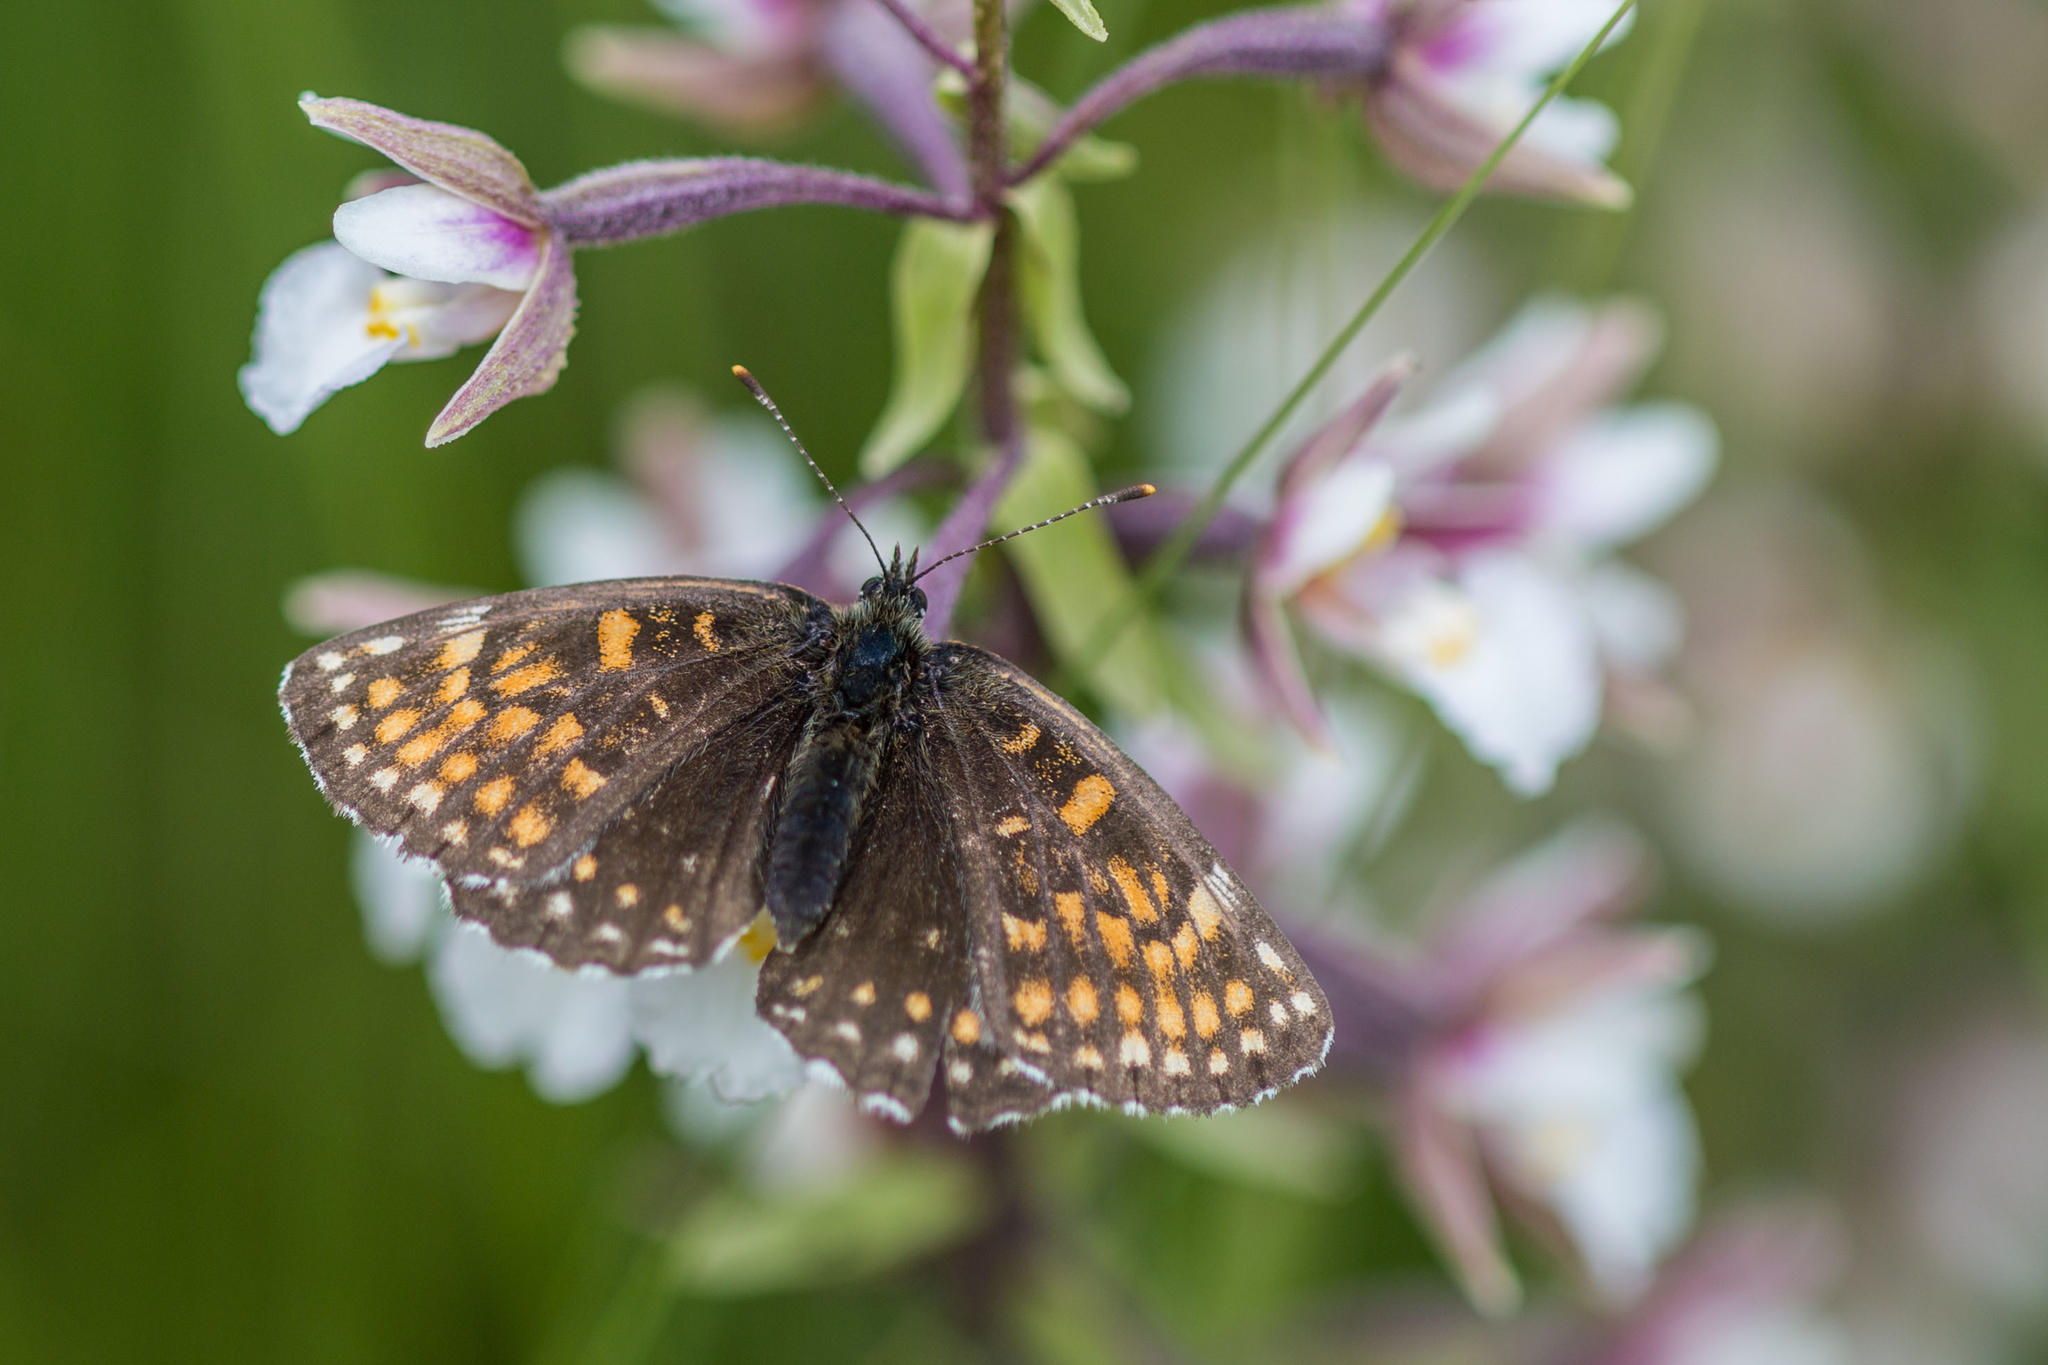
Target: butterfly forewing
(677, 875)
(1118, 957)
(501, 736)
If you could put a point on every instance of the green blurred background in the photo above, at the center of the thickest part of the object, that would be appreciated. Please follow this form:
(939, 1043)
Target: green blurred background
(227, 1133)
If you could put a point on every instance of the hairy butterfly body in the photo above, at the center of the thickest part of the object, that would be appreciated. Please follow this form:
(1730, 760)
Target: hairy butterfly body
(965, 876)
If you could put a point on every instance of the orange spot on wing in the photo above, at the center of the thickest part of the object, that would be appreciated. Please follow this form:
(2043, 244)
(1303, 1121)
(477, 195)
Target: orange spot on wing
(1022, 741)
(1081, 1001)
(1207, 1021)
(615, 632)
(491, 796)
(1024, 934)
(1172, 1023)
(529, 826)
(1126, 879)
(1069, 906)
(1033, 1002)
(396, 724)
(565, 731)
(1237, 998)
(1206, 913)
(1159, 958)
(585, 868)
(460, 650)
(701, 628)
(580, 778)
(511, 657)
(384, 691)
(527, 678)
(458, 767)
(1012, 824)
(1090, 799)
(1116, 936)
(627, 895)
(918, 1006)
(510, 723)
(1160, 891)
(423, 747)
(454, 685)
(1129, 1007)
(967, 1028)
(1185, 947)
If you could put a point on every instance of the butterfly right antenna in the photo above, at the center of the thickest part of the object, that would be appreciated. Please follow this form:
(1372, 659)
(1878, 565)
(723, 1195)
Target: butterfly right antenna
(761, 396)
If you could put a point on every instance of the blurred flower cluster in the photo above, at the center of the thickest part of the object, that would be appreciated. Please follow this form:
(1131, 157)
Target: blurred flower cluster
(1489, 541)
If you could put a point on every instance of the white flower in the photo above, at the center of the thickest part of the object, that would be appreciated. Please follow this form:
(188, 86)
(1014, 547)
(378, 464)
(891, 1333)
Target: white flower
(327, 319)
(1465, 549)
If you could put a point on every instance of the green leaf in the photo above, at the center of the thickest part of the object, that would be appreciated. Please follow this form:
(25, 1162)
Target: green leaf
(1074, 572)
(895, 1210)
(1083, 16)
(1049, 285)
(932, 288)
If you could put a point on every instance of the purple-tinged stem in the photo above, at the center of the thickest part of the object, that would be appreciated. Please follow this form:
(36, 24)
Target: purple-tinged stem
(965, 525)
(889, 74)
(926, 37)
(1281, 43)
(649, 198)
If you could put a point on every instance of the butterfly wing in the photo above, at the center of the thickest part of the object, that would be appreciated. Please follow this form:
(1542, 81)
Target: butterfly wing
(501, 737)
(873, 990)
(1113, 954)
(675, 876)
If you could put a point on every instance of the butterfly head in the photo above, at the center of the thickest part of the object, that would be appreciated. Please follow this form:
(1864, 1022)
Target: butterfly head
(895, 589)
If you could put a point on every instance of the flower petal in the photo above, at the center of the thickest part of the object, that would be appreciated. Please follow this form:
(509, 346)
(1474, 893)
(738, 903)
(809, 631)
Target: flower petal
(529, 353)
(460, 160)
(700, 1025)
(311, 338)
(1440, 1167)
(1429, 130)
(400, 899)
(1507, 658)
(343, 600)
(505, 1008)
(1621, 475)
(426, 233)
(1277, 662)
(670, 74)
(1639, 622)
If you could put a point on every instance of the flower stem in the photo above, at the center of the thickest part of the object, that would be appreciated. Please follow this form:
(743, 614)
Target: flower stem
(927, 38)
(988, 143)
(1163, 564)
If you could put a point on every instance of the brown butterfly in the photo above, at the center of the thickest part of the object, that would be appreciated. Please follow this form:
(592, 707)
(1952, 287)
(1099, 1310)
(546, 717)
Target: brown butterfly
(965, 876)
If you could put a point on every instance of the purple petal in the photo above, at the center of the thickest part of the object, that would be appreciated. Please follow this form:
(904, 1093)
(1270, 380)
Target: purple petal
(648, 198)
(670, 74)
(1440, 1165)
(351, 599)
(459, 160)
(527, 355)
(883, 67)
(1277, 662)
(426, 233)
(1431, 135)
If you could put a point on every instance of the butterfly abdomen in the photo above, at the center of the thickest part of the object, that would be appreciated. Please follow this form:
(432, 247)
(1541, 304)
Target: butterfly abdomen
(837, 766)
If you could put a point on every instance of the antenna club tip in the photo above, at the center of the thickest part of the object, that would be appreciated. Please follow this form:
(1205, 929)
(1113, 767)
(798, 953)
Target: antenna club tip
(1143, 490)
(740, 372)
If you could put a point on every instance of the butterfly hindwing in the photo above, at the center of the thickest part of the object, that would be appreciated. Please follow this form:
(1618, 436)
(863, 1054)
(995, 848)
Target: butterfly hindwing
(677, 875)
(874, 990)
(500, 737)
(1119, 959)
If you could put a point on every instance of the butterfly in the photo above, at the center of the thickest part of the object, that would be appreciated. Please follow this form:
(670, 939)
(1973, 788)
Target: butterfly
(966, 878)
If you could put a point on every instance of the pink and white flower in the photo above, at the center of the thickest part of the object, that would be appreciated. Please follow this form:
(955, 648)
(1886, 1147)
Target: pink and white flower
(416, 272)
(1467, 550)
(1461, 74)
(1532, 1055)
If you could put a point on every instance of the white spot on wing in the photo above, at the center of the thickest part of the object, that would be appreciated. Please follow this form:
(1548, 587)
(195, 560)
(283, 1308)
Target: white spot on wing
(559, 905)
(384, 644)
(328, 661)
(905, 1047)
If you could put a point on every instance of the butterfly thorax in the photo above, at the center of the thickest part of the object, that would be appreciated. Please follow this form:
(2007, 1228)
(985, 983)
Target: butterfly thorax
(864, 702)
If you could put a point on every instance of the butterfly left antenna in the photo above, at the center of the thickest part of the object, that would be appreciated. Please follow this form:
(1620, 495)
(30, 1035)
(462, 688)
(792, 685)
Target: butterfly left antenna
(741, 373)
(1131, 494)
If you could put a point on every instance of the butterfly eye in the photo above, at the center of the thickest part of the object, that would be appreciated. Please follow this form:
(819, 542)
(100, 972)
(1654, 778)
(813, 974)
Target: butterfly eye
(917, 598)
(871, 587)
